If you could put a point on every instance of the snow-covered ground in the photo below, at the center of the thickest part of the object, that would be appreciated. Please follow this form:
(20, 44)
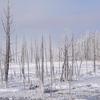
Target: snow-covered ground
(86, 87)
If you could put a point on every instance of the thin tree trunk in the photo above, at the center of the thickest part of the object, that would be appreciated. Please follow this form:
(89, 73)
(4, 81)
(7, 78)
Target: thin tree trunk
(7, 28)
(42, 47)
(28, 66)
(51, 64)
(46, 61)
(94, 53)
(59, 60)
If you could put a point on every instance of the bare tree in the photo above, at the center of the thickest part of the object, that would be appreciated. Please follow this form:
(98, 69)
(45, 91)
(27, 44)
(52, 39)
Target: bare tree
(37, 60)
(94, 53)
(78, 59)
(1, 71)
(51, 64)
(23, 59)
(16, 51)
(46, 60)
(72, 66)
(42, 65)
(31, 52)
(1, 62)
(65, 67)
(86, 51)
(59, 58)
(28, 65)
(7, 28)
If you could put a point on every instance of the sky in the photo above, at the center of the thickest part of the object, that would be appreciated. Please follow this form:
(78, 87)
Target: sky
(32, 18)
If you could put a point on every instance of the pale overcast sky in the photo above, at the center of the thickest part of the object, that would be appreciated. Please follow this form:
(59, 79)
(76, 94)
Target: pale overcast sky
(56, 17)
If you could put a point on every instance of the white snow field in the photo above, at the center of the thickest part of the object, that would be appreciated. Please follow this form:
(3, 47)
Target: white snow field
(85, 87)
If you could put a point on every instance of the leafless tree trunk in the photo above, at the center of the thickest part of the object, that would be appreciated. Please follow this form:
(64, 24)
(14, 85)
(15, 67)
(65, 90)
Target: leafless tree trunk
(20, 67)
(72, 66)
(86, 52)
(1, 62)
(46, 61)
(28, 65)
(65, 68)
(37, 60)
(31, 52)
(78, 66)
(51, 64)
(59, 59)
(1, 71)
(7, 28)
(23, 56)
(94, 53)
(42, 67)
(16, 52)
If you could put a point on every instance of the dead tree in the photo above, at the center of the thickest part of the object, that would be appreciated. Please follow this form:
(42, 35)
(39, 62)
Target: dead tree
(59, 59)
(78, 59)
(51, 64)
(28, 65)
(86, 51)
(1, 71)
(97, 47)
(31, 52)
(16, 46)
(7, 28)
(46, 61)
(42, 65)
(51, 56)
(94, 53)
(72, 66)
(1, 62)
(23, 59)
(65, 67)
(37, 60)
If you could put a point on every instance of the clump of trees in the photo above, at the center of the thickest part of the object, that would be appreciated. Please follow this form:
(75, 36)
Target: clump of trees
(71, 53)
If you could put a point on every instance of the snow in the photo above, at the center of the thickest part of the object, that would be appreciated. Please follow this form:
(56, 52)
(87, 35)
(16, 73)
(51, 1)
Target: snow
(9, 90)
(86, 87)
